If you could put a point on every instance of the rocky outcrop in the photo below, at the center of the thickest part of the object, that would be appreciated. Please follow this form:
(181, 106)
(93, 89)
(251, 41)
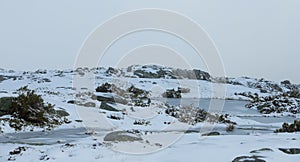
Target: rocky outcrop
(171, 93)
(108, 106)
(111, 98)
(290, 150)
(155, 71)
(248, 159)
(122, 136)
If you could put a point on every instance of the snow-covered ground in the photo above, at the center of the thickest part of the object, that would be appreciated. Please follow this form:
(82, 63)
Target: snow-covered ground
(162, 139)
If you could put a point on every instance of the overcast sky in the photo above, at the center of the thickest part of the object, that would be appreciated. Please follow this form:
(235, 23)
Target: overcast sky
(258, 38)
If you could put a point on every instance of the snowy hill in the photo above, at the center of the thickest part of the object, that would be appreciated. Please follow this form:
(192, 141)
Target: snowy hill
(125, 110)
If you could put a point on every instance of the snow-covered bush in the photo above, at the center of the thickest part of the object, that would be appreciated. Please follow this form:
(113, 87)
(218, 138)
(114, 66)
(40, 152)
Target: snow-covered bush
(29, 109)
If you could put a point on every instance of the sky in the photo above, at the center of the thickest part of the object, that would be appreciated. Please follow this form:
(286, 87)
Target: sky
(256, 38)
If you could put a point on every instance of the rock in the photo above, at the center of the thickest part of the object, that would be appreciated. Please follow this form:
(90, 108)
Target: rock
(17, 151)
(261, 150)
(107, 106)
(71, 102)
(2, 78)
(44, 158)
(111, 71)
(106, 97)
(290, 150)
(62, 113)
(122, 136)
(248, 159)
(211, 134)
(141, 122)
(184, 90)
(89, 104)
(115, 117)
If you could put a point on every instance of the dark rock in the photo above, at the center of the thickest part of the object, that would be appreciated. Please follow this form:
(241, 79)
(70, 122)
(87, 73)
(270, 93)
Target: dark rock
(261, 150)
(211, 134)
(141, 122)
(17, 151)
(249, 159)
(115, 117)
(112, 98)
(2, 78)
(290, 150)
(62, 113)
(108, 106)
(122, 136)
(44, 157)
(89, 104)
(72, 102)
(111, 71)
(11, 158)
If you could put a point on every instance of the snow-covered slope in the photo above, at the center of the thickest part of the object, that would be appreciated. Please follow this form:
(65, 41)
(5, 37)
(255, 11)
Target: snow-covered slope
(152, 131)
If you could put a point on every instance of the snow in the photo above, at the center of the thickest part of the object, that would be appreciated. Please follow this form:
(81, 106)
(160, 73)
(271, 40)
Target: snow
(161, 141)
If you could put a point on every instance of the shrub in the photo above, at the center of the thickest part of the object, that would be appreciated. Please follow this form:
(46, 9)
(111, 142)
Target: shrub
(294, 127)
(5, 105)
(29, 109)
(171, 93)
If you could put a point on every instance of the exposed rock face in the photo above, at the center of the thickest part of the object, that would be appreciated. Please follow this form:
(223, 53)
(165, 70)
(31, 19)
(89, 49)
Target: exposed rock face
(211, 134)
(290, 150)
(248, 159)
(113, 94)
(108, 106)
(154, 71)
(122, 136)
(111, 98)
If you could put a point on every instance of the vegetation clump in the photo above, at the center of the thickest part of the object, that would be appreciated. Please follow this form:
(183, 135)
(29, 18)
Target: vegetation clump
(29, 109)
(193, 115)
(139, 97)
(294, 127)
(282, 102)
(171, 93)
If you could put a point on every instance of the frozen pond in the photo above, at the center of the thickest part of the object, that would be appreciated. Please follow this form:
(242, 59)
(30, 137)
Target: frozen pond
(252, 120)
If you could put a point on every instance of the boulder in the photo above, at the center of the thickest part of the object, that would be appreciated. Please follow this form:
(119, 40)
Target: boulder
(248, 159)
(108, 106)
(122, 136)
(290, 150)
(112, 98)
(211, 134)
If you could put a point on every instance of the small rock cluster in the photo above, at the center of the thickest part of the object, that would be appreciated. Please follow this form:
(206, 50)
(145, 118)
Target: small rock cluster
(132, 95)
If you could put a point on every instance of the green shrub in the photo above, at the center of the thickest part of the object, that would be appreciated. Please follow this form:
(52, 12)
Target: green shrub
(5, 105)
(29, 109)
(294, 127)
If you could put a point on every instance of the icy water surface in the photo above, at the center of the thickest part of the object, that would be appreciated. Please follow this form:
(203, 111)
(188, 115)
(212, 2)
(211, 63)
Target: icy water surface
(252, 120)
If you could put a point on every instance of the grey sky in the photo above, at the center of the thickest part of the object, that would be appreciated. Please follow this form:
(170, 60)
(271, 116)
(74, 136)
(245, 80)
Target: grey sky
(258, 38)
